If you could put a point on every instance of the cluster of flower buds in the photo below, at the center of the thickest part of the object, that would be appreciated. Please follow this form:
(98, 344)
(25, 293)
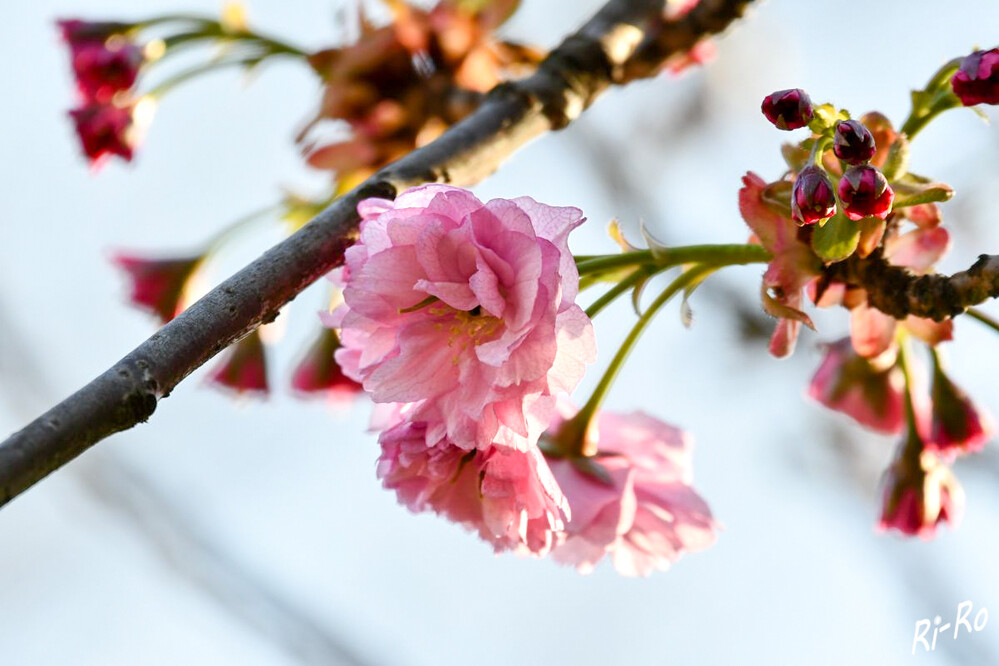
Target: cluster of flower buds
(106, 64)
(242, 369)
(400, 85)
(807, 225)
(863, 190)
(107, 60)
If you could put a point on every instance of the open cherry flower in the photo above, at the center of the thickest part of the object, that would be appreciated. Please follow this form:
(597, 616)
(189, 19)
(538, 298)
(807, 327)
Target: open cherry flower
(958, 425)
(638, 506)
(507, 495)
(466, 309)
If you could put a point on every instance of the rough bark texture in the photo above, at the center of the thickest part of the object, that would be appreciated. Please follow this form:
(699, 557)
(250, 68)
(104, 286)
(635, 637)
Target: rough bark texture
(626, 39)
(899, 293)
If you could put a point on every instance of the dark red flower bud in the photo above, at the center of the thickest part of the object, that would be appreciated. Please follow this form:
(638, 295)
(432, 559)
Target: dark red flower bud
(158, 284)
(318, 372)
(958, 426)
(788, 109)
(105, 129)
(812, 199)
(103, 69)
(76, 32)
(243, 367)
(977, 81)
(865, 192)
(853, 143)
(919, 496)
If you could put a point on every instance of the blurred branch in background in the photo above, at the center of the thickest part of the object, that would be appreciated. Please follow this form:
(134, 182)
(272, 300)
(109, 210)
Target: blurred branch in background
(198, 560)
(149, 514)
(566, 83)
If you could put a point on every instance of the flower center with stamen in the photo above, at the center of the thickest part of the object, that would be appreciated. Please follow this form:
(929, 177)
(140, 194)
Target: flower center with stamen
(465, 328)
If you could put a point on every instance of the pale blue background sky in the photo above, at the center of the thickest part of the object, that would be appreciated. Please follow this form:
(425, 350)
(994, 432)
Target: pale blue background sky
(227, 533)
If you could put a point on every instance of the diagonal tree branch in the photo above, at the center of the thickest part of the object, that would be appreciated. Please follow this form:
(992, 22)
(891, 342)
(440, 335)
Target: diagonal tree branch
(566, 83)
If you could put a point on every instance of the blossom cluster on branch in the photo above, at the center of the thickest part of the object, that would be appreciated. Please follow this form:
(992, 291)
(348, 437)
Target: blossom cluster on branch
(459, 318)
(879, 209)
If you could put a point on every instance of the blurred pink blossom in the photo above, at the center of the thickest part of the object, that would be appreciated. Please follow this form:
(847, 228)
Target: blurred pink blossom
(868, 390)
(920, 495)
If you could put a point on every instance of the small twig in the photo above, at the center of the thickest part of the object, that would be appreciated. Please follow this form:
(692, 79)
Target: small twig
(984, 318)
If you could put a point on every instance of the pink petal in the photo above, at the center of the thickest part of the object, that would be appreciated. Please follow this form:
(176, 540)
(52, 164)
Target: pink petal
(871, 331)
(919, 249)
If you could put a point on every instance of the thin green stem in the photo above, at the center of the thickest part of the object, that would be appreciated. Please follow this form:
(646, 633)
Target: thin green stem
(975, 313)
(942, 98)
(182, 77)
(174, 18)
(573, 435)
(673, 256)
(913, 443)
(275, 46)
(917, 121)
(211, 28)
(603, 263)
(819, 148)
(611, 294)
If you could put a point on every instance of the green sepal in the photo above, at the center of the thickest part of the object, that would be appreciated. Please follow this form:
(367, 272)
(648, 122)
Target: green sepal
(837, 239)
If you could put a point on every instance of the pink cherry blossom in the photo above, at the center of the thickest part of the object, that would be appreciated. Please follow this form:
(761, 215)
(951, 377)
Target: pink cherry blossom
(318, 373)
(158, 285)
(958, 425)
(644, 514)
(919, 249)
(507, 495)
(793, 266)
(104, 130)
(466, 309)
(919, 495)
(868, 390)
(242, 368)
(872, 331)
(977, 81)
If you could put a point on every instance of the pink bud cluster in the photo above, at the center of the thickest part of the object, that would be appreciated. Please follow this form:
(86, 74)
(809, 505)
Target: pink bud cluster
(864, 376)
